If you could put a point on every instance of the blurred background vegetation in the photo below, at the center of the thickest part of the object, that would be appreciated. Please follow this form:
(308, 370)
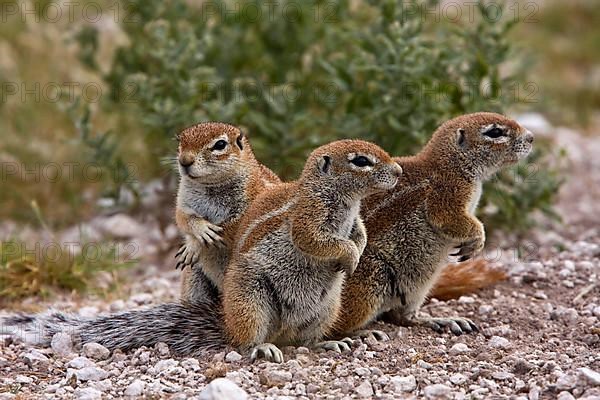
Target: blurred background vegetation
(114, 88)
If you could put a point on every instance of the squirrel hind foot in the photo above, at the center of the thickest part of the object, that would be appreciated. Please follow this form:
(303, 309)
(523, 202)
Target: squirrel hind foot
(379, 336)
(268, 352)
(338, 346)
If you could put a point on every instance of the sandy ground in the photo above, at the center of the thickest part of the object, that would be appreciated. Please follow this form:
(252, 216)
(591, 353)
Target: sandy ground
(539, 338)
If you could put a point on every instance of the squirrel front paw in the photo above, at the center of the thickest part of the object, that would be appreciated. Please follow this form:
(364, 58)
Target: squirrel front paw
(206, 232)
(187, 255)
(349, 261)
(469, 248)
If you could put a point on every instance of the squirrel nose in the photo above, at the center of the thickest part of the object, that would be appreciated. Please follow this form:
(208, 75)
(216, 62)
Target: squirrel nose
(186, 161)
(529, 137)
(397, 169)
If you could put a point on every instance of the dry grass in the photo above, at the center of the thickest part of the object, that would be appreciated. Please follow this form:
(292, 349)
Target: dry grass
(38, 269)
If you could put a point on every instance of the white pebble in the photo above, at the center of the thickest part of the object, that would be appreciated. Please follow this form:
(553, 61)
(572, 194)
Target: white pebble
(400, 384)
(485, 309)
(563, 273)
(566, 382)
(459, 348)
(233, 356)
(87, 374)
(276, 377)
(117, 305)
(502, 375)
(222, 389)
(458, 379)
(570, 265)
(540, 295)
(548, 307)
(498, 342)
(23, 379)
(437, 391)
(96, 351)
(162, 349)
(565, 396)
(80, 362)
(35, 357)
(88, 394)
(62, 344)
(191, 364)
(163, 365)
(591, 376)
(364, 390)
(135, 388)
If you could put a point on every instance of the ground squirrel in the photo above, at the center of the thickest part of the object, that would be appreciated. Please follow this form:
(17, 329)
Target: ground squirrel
(219, 177)
(413, 228)
(295, 245)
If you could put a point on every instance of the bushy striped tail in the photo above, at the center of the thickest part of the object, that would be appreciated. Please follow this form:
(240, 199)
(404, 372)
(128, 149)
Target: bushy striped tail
(188, 329)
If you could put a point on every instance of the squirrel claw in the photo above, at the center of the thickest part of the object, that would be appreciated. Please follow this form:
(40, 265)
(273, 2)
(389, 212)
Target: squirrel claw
(214, 228)
(467, 250)
(207, 233)
(379, 336)
(457, 325)
(338, 346)
(464, 249)
(186, 256)
(268, 351)
(180, 251)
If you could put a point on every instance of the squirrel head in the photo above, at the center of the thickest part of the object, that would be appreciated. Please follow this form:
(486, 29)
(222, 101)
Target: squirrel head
(481, 143)
(212, 152)
(351, 167)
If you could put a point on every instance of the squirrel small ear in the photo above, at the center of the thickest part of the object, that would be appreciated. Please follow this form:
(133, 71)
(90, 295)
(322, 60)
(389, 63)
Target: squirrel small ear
(460, 138)
(325, 164)
(240, 140)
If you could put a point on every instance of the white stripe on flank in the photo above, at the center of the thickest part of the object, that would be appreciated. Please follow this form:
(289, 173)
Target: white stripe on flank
(264, 218)
(392, 198)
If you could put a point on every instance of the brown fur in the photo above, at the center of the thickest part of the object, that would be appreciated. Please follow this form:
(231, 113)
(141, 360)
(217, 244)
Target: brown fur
(412, 227)
(290, 234)
(243, 177)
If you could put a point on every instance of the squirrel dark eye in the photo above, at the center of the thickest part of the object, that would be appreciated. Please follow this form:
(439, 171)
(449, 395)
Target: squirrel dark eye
(494, 133)
(361, 161)
(220, 145)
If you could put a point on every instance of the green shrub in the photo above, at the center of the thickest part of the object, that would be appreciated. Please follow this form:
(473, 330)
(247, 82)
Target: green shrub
(304, 73)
